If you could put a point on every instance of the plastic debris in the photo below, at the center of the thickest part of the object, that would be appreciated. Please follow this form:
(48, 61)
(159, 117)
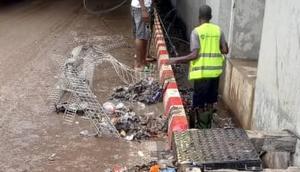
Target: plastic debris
(154, 168)
(147, 91)
(120, 106)
(168, 169)
(52, 157)
(119, 168)
(84, 133)
(109, 107)
(138, 127)
(143, 167)
(141, 105)
(141, 154)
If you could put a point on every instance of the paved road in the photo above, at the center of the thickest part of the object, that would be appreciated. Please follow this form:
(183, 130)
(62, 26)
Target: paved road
(34, 38)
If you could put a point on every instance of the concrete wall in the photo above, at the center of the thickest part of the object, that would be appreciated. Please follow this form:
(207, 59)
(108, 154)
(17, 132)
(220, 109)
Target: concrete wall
(215, 6)
(188, 11)
(246, 28)
(239, 88)
(241, 21)
(277, 98)
(224, 15)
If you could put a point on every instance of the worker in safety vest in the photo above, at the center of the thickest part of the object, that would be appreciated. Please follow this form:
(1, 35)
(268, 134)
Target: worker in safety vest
(206, 59)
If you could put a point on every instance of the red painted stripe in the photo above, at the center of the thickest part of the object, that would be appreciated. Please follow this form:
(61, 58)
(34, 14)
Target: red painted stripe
(161, 52)
(177, 124)
(173, 101)
(172, 85)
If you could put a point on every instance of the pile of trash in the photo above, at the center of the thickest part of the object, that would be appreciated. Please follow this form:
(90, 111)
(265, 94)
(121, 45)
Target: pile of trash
(147, 91)
(132, 126)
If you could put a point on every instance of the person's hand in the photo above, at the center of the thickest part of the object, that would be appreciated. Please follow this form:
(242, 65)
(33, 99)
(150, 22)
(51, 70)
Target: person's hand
(145, 16)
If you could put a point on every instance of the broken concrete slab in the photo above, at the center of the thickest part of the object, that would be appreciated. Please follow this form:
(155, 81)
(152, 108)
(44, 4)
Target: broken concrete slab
(273, 141)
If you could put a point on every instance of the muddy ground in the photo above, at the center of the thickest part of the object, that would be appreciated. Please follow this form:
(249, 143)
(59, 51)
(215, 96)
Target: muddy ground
(35, 37)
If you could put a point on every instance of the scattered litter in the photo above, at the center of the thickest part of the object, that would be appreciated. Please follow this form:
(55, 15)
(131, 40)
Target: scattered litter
(84, 133)
(168, 169)
(52, 157)
(109, 107)
(138, 127)
(77, 122)
(154, 168)
(141, 154)
(119, 168)
(120, 106)
(149, 113)
(143, 167)
(141, 105)
(107, 170)
(130, 137)
(123, 133)
(146, 91)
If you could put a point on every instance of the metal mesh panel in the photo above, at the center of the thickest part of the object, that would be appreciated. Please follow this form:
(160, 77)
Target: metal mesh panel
(216, 148)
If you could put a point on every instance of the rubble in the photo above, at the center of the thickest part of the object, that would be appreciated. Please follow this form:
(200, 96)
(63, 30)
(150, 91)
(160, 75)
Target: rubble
(147, 91)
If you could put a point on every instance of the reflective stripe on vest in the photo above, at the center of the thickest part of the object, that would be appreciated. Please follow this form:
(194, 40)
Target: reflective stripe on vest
(209, 63)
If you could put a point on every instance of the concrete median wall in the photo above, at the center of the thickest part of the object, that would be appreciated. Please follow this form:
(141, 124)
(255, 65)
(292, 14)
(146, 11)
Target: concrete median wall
(173, 105)
(277, 98)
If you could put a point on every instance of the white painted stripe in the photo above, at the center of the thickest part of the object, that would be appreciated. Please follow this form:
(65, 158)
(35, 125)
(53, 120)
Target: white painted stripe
(164, 68)
(160, 48)
(162, 57)
(168, 94)
(167, 81)
(160, 42)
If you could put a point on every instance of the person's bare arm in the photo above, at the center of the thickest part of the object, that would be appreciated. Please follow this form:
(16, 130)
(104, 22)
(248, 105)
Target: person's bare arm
(224, 48)
(145, 14)
(183, 59)
(223, 45)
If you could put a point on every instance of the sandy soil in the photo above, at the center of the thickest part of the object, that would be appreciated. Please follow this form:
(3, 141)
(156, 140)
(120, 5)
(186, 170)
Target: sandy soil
(35, 37)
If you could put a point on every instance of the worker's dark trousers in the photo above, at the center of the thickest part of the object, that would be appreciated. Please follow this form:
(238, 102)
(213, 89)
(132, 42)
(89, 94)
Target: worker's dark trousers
(204, 96)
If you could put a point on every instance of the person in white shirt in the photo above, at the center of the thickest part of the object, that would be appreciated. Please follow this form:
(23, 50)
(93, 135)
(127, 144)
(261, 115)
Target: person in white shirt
(140, 11)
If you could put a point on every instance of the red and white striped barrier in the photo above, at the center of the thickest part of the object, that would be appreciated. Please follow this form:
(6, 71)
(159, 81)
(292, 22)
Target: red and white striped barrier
(173, 105)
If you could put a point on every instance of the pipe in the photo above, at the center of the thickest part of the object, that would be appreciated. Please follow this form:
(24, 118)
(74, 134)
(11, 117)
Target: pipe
(181, 40)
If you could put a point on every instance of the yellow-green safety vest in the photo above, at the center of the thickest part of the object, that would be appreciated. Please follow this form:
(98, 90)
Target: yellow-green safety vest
(209, 63)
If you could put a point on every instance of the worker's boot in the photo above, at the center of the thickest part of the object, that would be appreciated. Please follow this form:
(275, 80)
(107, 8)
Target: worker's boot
(192, 117)
(204, 117)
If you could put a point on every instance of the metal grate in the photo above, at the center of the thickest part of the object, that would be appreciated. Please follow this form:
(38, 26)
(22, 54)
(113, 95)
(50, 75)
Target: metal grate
(216, 149)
